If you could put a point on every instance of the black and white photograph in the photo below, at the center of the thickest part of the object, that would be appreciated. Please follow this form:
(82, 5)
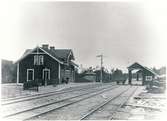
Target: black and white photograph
(83, 60)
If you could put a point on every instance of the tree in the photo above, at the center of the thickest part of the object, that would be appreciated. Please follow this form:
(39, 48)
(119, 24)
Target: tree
(117, 75)
(160, 71)
(8, 70)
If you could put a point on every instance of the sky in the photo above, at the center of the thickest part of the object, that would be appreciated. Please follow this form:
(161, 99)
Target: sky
(124, 32)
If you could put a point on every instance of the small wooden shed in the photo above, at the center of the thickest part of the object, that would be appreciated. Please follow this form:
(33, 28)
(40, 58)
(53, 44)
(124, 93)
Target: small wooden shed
(147, 74)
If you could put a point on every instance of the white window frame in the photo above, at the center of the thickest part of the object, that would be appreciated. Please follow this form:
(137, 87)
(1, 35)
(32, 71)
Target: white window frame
(35, 59)
(41, 59)
(45, 69)
(149, 78)
(38, 59)
(32, 76)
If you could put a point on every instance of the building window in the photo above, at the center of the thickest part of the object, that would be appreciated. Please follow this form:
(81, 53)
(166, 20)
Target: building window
(35, 60)
(148, 78)
(38, 60)
(41, 60)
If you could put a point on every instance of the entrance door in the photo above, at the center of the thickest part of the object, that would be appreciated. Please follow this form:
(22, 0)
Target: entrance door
(30, 74)
(46, 75)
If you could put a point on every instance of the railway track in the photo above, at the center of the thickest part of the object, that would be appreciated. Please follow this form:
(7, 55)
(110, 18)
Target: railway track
(43, 109)
(122, 104)
(12, 109)
(37, 96)
(94, 110)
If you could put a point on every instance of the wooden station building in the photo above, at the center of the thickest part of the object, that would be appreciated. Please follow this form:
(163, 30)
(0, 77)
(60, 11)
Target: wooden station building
(47, 65)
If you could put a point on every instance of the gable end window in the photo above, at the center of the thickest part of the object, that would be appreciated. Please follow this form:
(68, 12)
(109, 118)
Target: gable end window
(38, 60)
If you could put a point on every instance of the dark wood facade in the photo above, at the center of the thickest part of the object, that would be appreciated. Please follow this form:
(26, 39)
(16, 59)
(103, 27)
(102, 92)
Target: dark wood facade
(52, 69)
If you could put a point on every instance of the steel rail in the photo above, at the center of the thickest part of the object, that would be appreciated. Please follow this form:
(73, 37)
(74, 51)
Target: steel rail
(122, 104)
(21, 97)
(45, 95)
(102, 104)
(24, 111)
(73, 102)
(64, 90)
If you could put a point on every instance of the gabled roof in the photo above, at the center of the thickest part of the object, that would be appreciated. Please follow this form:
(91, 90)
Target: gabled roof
(151, 71)
(51, 54)
(139, 66)
(60, 55)
(139, 71)
(27, 51)
(135, 66)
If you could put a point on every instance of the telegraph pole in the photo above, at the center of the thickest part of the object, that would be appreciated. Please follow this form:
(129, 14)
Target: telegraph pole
(101, 74)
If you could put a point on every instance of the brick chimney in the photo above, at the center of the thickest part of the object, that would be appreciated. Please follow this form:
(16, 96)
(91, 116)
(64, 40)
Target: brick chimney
(45, 46)
(52, 47)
